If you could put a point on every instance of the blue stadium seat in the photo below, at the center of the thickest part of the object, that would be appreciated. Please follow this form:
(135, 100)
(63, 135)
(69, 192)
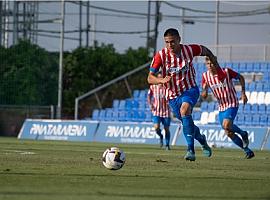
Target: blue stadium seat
(264, 120)
(240, 120)
(259, 86)
(102, 114)
(196, 115)
(257, 67)
(95, 114)
(241, 108)
(115, 115)
(122, 115)
(251, 86)
(262, 109)
(115, 104)
(136, 94)
(255, 120)
(254, 108)
(249, 67)
(247, 108)
(204, 106)
(148, 116)
(211, 106)
(122, 105)
(108, 114)
(248, 120)
(242, 67)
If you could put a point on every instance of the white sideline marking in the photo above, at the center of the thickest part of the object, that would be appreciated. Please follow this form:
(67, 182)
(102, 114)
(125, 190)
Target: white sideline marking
(20, 152)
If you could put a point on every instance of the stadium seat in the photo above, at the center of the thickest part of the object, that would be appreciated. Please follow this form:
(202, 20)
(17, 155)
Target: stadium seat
(108, 115)
(251, 86)
(95, 114)
(254, 108)
(241, 108)
(240, 119)
(136, 94)
(259, 86)
(211, 106)
(196, 115)
(247, 108)
(148, 116)
(256, 67)
(255, 120)
(263, 120)
(122, 105)
(242, 67)
(249, 67)
(267, 98)
(204, 118)
(253, 97)
(262, 109)
(204, 106)
(115, 104)
(261, 98)
(102, 114)
(248, 120)
(122, 115)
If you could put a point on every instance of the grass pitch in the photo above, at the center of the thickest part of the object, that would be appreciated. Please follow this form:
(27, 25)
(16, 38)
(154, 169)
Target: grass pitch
(39, 170)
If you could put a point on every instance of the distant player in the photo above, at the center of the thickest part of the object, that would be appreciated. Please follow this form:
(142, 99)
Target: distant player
(224, 91)
(161, 111)
(178, 76)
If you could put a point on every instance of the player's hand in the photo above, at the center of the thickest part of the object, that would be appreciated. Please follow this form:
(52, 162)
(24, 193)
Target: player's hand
(166, 79)
(244, 98)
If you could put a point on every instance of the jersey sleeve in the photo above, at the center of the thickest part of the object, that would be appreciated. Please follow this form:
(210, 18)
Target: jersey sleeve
(203, 80)
(156, 63)
(233, 74)
(196, 49)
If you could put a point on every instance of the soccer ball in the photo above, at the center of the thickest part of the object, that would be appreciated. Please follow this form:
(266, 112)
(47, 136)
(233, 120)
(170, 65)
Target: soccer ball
(113, 158)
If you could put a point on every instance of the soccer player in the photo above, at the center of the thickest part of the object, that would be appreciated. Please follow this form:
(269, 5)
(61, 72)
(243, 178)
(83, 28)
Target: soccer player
(224, 91)
(178, 76)
(160, 110)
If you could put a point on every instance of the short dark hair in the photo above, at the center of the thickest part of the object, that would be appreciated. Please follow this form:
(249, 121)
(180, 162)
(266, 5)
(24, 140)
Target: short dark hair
(171, 32)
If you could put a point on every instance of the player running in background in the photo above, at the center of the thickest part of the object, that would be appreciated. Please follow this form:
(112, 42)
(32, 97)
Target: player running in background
(160, 110)
(178, 76)
(224, 91)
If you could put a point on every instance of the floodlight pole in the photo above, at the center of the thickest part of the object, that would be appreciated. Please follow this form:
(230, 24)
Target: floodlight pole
(217, 27)
(60, 82)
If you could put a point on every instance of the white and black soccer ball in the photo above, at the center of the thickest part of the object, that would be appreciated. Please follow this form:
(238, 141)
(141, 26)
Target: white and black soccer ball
(113, 158)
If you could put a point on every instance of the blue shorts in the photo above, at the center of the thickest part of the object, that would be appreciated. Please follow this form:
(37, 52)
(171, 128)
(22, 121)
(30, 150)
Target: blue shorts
(166, 121)
(189, 96)
(230, 114)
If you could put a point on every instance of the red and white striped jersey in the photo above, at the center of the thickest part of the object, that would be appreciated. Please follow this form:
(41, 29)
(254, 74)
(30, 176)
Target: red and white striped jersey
(158, 100)
(224, 91)
(179, 67)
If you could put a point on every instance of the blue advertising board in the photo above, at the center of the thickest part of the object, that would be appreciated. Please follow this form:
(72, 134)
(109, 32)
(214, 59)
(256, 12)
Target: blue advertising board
(58, 130)
(216, 136)
(129, 132)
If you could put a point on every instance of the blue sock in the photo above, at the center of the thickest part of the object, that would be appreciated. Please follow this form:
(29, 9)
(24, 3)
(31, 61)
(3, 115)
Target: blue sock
(198, 135)
(158, 132)
(236, 129)
(167, 137)
(188, 130)
(236, 139)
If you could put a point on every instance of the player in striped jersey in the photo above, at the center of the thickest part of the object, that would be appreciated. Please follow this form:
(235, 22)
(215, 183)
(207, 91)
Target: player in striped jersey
(160, 110)
(178, 76)
(224, 91)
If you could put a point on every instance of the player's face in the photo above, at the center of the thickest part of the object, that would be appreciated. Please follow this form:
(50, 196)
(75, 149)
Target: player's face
(209, 65)
(172, 43)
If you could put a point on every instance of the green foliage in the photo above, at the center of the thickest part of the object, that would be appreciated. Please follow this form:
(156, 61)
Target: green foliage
(29, 74)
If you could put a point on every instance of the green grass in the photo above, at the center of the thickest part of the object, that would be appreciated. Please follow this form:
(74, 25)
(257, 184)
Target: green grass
(38, 170)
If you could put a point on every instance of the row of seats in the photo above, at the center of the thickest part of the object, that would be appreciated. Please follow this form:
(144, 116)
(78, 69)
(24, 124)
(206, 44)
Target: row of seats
(121, 115)
(239, 66)
(255, 119)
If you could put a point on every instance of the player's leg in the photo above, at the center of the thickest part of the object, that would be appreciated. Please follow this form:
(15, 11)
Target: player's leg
(189, 99)
(188, 125)
(226, 119)
(207, 151)
(236, 129)
(166, 121)
(156, 121)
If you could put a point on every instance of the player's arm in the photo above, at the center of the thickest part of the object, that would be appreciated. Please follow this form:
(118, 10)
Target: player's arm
(152, 79)
(243, 92)
(207, 52)
(204, 93)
